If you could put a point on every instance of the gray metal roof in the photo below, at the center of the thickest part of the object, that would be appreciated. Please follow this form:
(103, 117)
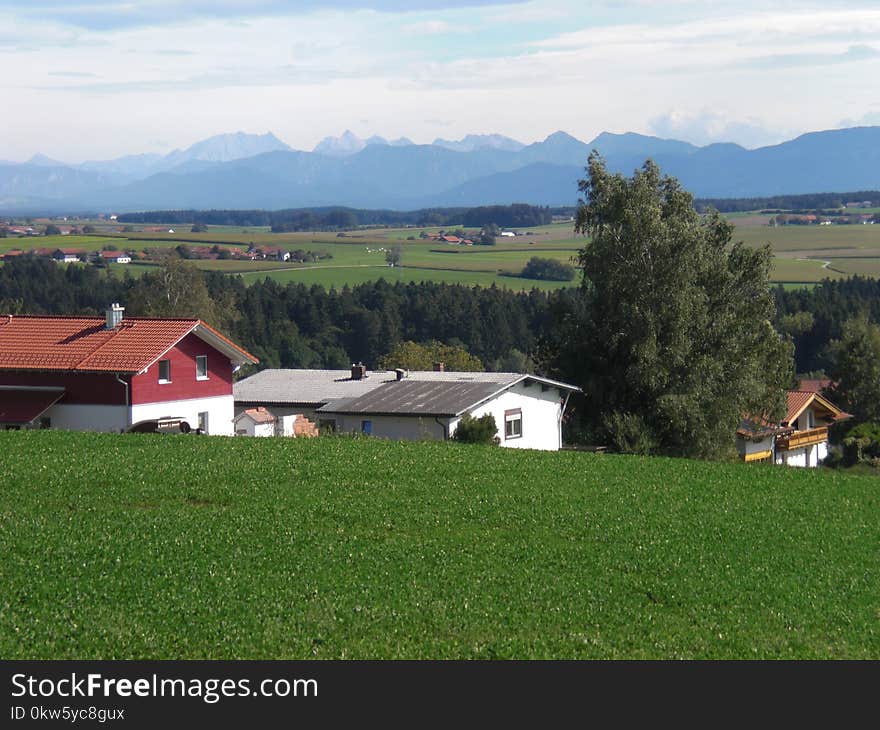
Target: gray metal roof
(317, 387)
(414, 397)
(423, 392)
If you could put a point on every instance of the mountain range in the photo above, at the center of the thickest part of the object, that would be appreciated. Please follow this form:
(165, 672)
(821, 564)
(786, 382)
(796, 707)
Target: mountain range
(260, 171)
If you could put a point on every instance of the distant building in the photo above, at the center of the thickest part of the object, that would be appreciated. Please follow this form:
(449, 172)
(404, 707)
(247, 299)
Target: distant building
(115, 257)
(800, 439)
(418, 405)
(67, 255)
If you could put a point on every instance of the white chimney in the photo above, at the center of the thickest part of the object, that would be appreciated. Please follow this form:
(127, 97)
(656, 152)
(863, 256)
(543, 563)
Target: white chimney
(114, 316)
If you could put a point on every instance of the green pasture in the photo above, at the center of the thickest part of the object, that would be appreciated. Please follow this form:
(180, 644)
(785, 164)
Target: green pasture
(186, 547)
(804, 254)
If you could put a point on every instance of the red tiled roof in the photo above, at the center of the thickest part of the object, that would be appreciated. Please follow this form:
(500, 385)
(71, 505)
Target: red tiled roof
(83, 344)
(798, 400)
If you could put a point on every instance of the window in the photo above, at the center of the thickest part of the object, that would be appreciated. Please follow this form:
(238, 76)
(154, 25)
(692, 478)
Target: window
(367, 427)
(203, 421)
(201, 367)
(811, 421)
(513, 424)
(164, 371)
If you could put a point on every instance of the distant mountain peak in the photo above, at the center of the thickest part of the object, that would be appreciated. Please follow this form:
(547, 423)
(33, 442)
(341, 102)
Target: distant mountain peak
(348, 143)
(227, 147)
(41, 160)
(472, 142)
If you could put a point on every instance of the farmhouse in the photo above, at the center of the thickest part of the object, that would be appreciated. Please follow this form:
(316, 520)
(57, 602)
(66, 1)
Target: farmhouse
(800, 439)
(109, 374)
(414, 405)
(115, 257)
(67, 255)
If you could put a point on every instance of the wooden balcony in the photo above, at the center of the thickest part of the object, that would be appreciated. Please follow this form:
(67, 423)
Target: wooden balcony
(799, 439)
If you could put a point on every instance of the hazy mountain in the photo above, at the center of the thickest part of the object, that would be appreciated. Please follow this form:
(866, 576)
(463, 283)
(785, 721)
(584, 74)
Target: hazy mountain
(225, 148)
(478, 141)
(376, 173)
(631, 144)
(40, 160)
(348, 143)
(130, 166)
(399, 142)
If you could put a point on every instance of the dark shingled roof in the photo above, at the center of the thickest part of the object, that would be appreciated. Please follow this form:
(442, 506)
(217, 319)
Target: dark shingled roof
(412, 397)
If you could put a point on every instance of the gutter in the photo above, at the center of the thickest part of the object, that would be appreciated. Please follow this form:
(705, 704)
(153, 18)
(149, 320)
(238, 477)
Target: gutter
(127, 401)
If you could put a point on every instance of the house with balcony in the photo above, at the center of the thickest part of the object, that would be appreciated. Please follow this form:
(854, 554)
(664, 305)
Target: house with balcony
(800, 439)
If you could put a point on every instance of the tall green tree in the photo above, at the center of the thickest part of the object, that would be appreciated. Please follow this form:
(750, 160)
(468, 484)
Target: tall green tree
(855, 369)
(415, 356)
(672, 341)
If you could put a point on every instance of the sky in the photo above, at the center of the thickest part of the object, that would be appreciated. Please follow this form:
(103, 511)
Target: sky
(100, 79)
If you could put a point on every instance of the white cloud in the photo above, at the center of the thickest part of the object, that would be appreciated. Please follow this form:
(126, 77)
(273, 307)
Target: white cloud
(706, 126)
(433, 27)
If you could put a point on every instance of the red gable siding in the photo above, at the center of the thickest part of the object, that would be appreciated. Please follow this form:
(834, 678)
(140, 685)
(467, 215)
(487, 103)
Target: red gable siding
(146, 388)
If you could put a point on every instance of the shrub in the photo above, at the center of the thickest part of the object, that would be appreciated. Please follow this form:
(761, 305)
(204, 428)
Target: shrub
(480, 430)
(547, 270)
(862, 445)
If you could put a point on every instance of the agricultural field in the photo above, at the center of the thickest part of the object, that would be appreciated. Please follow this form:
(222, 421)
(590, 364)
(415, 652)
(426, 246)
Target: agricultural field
(804, 254)
(185, 547)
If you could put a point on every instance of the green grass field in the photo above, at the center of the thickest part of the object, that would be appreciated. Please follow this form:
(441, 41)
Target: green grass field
(804, 254)
(198, 547)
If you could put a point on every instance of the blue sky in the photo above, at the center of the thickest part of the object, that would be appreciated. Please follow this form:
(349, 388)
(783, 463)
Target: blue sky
(98, 79)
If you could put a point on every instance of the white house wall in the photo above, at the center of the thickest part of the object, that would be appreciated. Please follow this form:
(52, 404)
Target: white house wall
(541, 414)
(219, 409)
(113, 419)
(747, 447)
(403, 428)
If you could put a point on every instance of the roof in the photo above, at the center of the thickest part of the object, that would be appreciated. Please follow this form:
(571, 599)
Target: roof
(257, 415)
(413, 397)
(798, 400)
(336, 391)
(23, 405)
(83, 344)
(318, 387)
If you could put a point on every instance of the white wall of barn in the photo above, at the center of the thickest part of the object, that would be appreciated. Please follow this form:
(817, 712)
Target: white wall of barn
(78, 417)
(403, 428)
(219, 409)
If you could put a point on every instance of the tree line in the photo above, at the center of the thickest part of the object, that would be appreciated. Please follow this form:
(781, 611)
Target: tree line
(293, 325)
(343, 218)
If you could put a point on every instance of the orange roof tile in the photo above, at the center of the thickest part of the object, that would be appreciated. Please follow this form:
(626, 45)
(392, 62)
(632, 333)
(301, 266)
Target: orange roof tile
(83, 344)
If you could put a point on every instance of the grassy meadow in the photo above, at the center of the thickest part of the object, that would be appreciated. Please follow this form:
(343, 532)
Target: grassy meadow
(141, 546)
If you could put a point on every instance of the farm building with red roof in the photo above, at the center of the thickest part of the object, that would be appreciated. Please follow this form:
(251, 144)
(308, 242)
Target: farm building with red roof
(111, 373)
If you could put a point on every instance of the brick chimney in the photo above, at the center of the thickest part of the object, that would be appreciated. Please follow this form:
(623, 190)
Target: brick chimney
(439, 367)
(359, 371)
(113, 316)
